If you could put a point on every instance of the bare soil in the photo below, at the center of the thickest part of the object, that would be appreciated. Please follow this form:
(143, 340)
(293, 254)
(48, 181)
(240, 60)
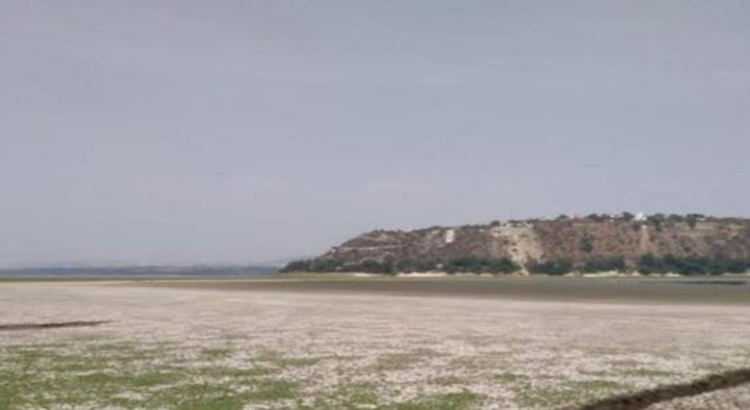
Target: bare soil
(452, 344)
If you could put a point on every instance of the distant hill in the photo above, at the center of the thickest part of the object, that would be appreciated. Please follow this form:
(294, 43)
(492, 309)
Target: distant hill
(686, 244)
(140, 271)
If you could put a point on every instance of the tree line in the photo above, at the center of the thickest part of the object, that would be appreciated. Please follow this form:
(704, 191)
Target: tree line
(464, 264)
(647, 264)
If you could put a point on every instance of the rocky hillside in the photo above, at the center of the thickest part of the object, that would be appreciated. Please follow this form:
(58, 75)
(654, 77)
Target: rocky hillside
(694, 243)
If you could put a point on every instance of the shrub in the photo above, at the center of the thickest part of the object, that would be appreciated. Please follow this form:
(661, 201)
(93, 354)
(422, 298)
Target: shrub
(604, 265)
(597, 217)
(474, 264)
(313, 265)
(555, 267)
(693, 219)
(371, 266)
(658, 221)
(691, 265)
(649, 264)
(587, 244)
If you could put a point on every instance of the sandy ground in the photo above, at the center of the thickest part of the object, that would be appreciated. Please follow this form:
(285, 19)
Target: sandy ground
(349, 349)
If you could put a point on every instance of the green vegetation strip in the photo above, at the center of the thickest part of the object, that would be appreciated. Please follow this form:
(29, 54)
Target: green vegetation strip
(646, 264)
(121, 376)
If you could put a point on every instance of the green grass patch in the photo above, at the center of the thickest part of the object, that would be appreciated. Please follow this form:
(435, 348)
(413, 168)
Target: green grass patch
(447, 381)
(402, 361)
(125, 377)
(507, 377)
(283, 361)
(566, 393)
(216, 353)
(451, 401)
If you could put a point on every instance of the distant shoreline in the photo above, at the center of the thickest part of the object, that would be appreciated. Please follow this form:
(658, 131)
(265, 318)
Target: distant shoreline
(139, 271)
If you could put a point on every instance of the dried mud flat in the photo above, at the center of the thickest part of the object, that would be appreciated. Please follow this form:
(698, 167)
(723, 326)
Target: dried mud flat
(259, 345)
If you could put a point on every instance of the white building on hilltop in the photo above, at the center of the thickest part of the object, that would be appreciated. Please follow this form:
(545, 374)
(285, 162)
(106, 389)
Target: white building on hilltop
(450, 236)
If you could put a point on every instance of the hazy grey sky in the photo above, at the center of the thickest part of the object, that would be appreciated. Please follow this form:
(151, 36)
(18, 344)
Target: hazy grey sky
(230, 131)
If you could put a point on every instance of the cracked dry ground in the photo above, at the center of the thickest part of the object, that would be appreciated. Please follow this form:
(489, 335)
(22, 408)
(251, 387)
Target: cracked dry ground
(171, 348)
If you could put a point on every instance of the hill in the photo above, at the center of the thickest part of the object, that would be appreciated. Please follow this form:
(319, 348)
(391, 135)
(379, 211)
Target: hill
(685, 244)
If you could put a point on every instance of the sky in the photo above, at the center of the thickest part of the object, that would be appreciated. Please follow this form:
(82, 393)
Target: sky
(229, 131)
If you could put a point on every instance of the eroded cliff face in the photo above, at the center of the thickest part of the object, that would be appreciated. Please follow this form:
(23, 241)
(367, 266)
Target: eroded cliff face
(575, 240)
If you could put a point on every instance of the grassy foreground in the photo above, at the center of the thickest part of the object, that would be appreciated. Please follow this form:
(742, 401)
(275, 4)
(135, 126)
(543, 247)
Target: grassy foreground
(122, 376)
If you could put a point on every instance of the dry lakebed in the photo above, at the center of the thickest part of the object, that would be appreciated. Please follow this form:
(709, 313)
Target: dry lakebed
(376, 343)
